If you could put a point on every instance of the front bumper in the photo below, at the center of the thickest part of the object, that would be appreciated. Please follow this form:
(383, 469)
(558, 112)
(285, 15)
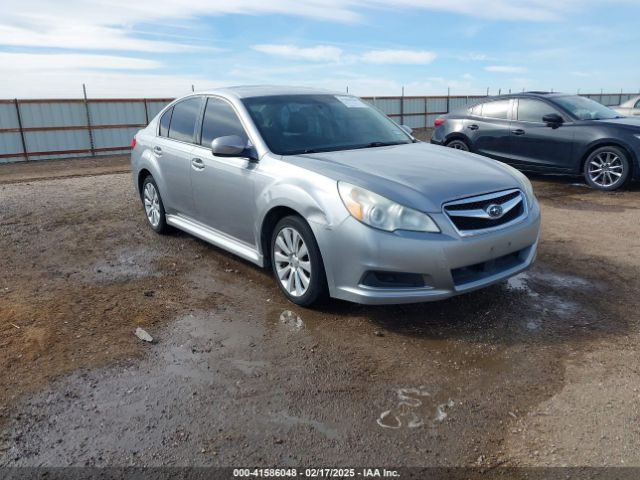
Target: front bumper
(449, 264)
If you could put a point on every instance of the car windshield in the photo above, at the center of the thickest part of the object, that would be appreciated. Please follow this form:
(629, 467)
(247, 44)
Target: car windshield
(585, 108)
(295, 124)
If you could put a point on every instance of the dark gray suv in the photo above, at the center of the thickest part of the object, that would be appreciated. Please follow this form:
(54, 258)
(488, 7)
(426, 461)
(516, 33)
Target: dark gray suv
(548, 133)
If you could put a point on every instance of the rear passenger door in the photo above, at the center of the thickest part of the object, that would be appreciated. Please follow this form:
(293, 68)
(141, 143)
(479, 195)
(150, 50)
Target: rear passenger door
(172, 150)
(488, 129)
(536, 145)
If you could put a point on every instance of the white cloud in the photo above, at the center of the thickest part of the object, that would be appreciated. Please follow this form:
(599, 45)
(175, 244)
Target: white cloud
(331, 54)
(405, 57)
(17, 62)
(319, 53)
(505, 69)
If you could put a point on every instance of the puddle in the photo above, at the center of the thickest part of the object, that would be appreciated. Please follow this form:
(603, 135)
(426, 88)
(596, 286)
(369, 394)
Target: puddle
(290, 421)
(128, 265)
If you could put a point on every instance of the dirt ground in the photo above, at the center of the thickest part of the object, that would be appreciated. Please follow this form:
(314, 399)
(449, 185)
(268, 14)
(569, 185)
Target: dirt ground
(540, 371)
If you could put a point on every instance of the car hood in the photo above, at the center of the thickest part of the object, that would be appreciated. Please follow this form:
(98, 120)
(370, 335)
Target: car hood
(629, 122)
(418, 175)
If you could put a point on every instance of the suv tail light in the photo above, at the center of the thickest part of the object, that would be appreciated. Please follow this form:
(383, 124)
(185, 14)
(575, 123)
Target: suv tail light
(439, 121)
(133, 143)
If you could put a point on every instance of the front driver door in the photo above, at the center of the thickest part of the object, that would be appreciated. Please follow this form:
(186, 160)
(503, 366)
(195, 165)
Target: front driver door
(536, 145)
(222, 187)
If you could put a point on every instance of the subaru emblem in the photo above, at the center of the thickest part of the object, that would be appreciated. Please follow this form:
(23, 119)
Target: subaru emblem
(494, 211)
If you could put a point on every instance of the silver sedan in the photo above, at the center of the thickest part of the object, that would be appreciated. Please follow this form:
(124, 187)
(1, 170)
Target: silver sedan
(333, 196)
(629, 108)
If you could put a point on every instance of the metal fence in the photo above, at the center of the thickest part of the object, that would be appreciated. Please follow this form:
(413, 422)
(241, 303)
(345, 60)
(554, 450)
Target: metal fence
(45, 129)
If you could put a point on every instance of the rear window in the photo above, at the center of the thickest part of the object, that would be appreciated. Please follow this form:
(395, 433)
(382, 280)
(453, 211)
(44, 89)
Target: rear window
(183, 120)
(498, 109)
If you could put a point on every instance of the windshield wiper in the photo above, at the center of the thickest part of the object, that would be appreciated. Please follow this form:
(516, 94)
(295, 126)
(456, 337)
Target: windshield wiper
(380, 144)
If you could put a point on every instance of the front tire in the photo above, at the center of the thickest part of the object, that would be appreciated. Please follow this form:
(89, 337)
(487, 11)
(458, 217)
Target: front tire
(297, 263)
(607, 169)
(153, 206)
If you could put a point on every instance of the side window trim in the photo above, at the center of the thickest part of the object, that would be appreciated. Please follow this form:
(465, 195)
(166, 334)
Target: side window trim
(202, 115)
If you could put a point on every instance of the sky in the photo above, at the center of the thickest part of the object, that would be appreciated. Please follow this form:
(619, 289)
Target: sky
(156, 48)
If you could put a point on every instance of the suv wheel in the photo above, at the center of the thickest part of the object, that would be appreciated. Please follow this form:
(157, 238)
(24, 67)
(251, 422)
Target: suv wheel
(296, 261)
(458, 145)
(607, 168)
(153, 206)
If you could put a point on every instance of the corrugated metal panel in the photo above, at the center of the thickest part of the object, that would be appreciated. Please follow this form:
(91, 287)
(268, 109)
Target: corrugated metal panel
(154, 108)
(52, 114)
(57, 140)
(414, 105)
(8, 116)
(117, 113)
(10, 143)
(389, 106)
(437, 105)
(414, 121)
(113, 137)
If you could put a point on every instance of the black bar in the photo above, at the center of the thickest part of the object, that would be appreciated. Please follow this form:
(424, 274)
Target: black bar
(24, 143)
(86, 107)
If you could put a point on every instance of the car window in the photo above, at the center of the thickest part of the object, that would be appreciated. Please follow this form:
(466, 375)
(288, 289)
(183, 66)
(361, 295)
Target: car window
(637, 105)
(476, 110)
(220, 120)
(183, 120)
(165, 121)
(498, 109)
(530, 110)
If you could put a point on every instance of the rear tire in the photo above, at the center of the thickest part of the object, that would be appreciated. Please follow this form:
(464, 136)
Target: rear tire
(296, 262)
(153, 206)
(458, 144)
(607, 168)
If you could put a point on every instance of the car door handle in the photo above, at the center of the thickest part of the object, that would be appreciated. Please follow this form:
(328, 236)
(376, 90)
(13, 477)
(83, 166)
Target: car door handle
(197, 163)
(518, 131)
(473, 127)
(157, 150)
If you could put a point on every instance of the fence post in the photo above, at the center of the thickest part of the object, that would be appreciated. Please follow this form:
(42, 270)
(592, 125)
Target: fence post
(24, 144)
(426, 112)
(146, 111)
(448, 98)
(620, 98)
(402, 107)
(86, 107)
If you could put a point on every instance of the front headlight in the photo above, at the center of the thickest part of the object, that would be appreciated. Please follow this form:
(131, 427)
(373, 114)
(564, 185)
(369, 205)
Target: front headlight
(379, 212)
(528, 189)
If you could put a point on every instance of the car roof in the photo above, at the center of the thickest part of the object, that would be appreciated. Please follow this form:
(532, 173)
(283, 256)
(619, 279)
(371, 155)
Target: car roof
(248, 91)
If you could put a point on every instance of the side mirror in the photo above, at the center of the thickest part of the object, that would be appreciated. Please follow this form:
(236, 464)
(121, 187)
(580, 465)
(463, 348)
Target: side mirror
(229, 146)
(553, 120)
(409, 130)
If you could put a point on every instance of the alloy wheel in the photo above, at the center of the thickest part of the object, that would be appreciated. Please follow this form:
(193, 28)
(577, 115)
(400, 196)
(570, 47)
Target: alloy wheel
(292, 261)
(152, 204)
(606, 169)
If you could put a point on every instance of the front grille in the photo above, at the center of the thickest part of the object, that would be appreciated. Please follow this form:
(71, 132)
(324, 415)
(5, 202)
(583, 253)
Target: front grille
(483, 213)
